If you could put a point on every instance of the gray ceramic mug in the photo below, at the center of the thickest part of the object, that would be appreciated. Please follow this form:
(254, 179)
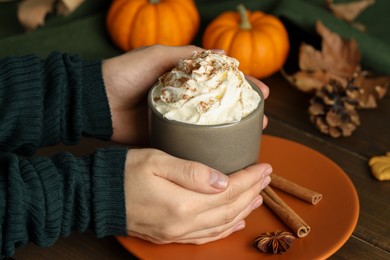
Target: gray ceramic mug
(224, 147)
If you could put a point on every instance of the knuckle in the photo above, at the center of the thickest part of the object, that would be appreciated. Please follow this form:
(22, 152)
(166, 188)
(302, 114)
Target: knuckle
(182, 210)
(190, 169)
(230, 215)
(171, 232)
(231, 193)
(215, 232)
(167, 234)
(180, 217)
(149, 155)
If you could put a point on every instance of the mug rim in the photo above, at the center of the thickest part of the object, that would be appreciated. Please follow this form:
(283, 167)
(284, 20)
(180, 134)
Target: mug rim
(248, 117)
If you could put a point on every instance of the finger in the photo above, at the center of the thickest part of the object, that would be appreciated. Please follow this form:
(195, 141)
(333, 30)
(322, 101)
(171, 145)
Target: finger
(219, 219)
(172, 54)
(216, 221)
(265, 121)
(263, 87)
(218, 51)
(191, 175)
(218, 232)
(206, 239)
(239, 182)
(198, 241)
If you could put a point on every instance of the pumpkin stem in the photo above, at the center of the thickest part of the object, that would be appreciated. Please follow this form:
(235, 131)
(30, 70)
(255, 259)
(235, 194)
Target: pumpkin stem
(154, 1)
(245, 23)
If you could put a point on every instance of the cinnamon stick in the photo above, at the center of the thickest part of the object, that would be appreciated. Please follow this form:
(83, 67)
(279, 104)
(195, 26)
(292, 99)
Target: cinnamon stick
(285, 213)
(294, 189)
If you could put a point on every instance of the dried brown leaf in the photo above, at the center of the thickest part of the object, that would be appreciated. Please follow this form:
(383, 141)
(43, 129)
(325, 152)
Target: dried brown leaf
(310, 81)
(338, 59)
(65, 7)
(307, 81)
(309, 58)
(341, 57)
(371, 88)
(349, 11)
(380, 166)
(31, 14)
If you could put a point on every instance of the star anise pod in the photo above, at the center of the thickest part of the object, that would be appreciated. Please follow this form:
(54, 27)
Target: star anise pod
(333, 109)
(274, 242)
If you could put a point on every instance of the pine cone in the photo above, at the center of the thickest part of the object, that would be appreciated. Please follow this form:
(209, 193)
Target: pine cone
(333, 109)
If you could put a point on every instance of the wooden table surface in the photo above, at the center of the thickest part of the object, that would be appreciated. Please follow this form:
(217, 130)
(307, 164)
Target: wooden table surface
(287, 112)
(288, 118)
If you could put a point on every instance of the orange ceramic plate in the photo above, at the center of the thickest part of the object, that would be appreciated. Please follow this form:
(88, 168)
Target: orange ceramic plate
(332, 220)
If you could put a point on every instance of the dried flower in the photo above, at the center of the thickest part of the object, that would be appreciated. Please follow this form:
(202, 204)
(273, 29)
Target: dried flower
(274, 242)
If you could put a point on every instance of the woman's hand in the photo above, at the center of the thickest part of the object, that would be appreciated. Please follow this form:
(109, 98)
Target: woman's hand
(129, 77)
(174, 200)
(265, 90)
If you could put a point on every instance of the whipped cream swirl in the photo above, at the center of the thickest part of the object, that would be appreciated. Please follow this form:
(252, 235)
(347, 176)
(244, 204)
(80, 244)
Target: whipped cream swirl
(205, 89)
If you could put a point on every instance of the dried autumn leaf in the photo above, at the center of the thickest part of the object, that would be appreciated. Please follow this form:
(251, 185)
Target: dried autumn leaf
(371, 88)
(65, 7)
(338, 59)
(31, 14)
(380, 167)
(309, 58)
(309, 81)
(349, 11)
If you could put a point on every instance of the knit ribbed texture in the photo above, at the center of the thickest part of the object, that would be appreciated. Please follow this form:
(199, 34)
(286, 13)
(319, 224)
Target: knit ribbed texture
(45, 102)
(42, 199)
(96, 116)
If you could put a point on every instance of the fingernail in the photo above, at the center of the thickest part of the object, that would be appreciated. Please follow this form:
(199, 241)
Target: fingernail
(265, 182)
(218, 180)
(257, 203)
(239, 226)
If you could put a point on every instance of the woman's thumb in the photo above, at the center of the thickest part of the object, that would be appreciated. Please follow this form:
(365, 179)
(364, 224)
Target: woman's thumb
(197, 177)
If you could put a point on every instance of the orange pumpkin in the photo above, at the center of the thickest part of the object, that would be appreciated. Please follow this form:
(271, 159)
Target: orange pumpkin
(136, 23)
(257, 40)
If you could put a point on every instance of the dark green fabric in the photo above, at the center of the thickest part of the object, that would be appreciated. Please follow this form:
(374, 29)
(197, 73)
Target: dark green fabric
(84, 31)
(374, 44)
(46, 102)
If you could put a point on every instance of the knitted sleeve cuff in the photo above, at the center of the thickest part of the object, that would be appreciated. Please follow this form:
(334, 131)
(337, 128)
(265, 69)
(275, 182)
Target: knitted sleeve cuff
(108, 197)
(96, 111)
(44, 198)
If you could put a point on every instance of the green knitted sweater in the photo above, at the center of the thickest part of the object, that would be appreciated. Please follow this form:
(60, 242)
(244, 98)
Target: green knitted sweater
(44, 103)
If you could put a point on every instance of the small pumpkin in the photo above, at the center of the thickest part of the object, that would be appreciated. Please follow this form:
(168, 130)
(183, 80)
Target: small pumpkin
(136, 23)
(257, 40)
